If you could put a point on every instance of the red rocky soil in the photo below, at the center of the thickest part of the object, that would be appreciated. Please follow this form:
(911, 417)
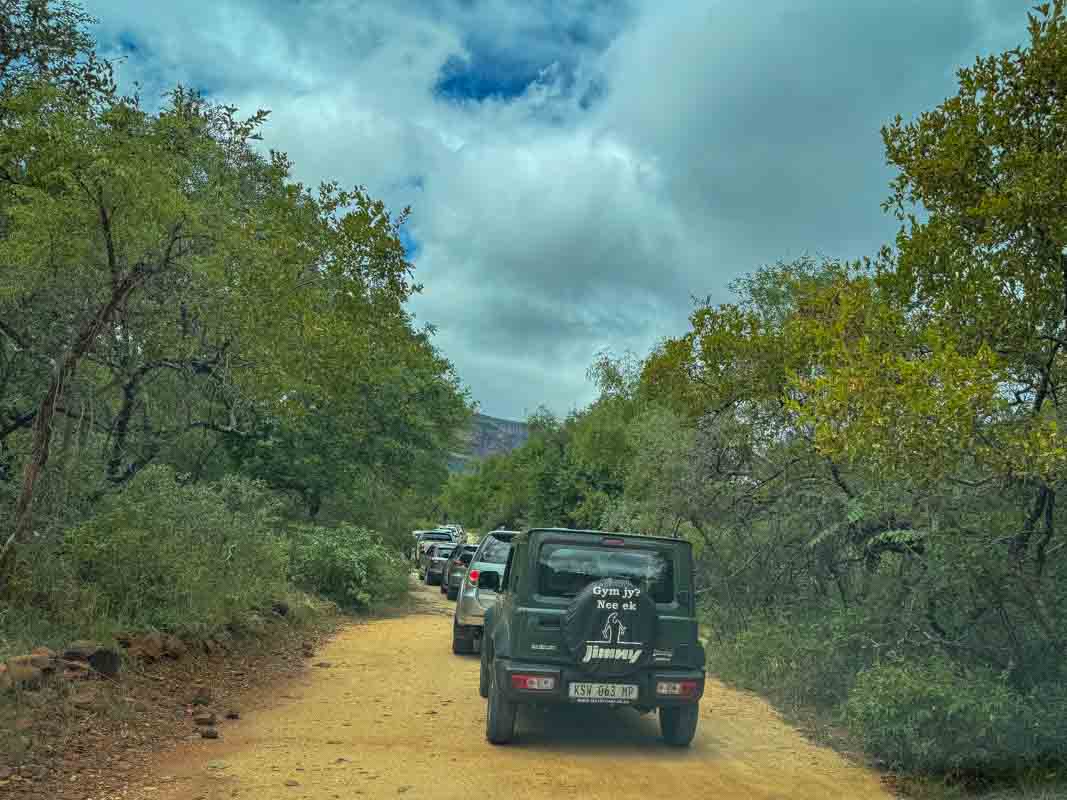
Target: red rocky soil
(81, 737)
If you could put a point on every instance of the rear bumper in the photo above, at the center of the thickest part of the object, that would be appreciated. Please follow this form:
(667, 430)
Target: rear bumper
(645, 681)
(469, 610)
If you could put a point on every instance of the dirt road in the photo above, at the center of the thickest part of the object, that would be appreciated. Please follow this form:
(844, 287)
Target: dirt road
(395, 713)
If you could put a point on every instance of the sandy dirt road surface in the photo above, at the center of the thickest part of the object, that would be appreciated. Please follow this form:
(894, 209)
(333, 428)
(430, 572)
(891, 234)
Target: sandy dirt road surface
(395, 714)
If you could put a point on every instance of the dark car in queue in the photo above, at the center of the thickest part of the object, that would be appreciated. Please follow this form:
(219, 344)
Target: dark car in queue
(472, 601)
(593, 617)
(432, 561)
(455, 569)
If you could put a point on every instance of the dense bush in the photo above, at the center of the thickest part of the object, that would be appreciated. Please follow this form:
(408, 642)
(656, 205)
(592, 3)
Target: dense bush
(348, 564)
(166, 555)
(793, 661)
(158, 555)
(931, 716)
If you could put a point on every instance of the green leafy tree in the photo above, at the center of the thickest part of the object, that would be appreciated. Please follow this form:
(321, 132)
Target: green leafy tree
(185, 252)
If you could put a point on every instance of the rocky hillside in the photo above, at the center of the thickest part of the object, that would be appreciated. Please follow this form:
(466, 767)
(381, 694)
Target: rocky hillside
(488, 436)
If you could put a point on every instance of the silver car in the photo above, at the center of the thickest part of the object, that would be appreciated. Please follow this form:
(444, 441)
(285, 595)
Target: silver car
(471, 602)
(455, 569)
(423, 539)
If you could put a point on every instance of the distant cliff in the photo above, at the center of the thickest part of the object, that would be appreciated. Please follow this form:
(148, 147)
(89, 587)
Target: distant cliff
(488, 436)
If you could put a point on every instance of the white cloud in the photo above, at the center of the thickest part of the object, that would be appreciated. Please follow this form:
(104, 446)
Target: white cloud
(725, 136)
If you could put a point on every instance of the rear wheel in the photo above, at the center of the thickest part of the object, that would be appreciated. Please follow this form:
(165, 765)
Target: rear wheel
(679, 723)
(500, 714)
(452, 593)
(460, 645)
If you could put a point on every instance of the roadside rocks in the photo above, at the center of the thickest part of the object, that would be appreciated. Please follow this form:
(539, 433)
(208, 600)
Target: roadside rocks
(143, 647)
(84, 660)
(24, 673)
(103, 660)
(173, 647)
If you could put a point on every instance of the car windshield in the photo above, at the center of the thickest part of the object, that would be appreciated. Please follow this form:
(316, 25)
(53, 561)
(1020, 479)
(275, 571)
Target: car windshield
(495, 551)
(565, 569)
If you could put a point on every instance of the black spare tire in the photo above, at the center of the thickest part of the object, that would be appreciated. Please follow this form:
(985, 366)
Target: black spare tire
(610, 628)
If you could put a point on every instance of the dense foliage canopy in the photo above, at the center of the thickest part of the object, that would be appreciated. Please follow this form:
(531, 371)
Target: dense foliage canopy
(171, 297)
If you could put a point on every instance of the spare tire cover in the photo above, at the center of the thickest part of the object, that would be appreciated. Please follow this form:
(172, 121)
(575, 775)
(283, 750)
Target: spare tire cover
(610, 627)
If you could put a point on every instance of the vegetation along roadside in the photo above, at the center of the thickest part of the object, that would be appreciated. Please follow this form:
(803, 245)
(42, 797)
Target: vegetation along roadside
(207, 372)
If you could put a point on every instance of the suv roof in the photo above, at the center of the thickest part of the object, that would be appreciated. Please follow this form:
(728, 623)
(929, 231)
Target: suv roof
(636, 537)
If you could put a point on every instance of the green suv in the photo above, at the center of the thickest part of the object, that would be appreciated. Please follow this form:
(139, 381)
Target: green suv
(593, 617)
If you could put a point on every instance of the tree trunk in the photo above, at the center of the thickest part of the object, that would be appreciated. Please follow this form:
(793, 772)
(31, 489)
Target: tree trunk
(42, 424)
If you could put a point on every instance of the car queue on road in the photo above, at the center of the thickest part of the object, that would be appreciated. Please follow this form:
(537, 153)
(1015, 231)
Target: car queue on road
(564, 616)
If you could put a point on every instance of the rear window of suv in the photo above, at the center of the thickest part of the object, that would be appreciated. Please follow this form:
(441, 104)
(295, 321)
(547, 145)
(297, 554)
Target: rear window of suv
(495, 551)
(565, 569)
(436, 537)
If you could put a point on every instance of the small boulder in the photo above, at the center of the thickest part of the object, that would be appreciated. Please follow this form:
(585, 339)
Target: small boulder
(146, 647)
(76, 670)
(80, 650)
(173, 647)
(205, 718)
(233, 714)
(280, 607)
(43, 658)
(104, 660)
(209, 733)
(23, 672)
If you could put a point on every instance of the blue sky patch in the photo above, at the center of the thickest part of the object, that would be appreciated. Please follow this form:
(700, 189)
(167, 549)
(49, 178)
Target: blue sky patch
(411, 244)
(485, 76)
(127, 43)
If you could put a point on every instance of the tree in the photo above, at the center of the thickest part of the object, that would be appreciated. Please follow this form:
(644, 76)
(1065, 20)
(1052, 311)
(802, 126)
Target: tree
(957, 347)
(185, 252)
(47, 40)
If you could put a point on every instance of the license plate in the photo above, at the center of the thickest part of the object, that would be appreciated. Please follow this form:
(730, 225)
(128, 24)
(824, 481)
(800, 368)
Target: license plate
(602, 692)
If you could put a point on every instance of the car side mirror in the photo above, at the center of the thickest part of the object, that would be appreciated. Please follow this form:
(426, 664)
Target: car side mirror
(489, 580)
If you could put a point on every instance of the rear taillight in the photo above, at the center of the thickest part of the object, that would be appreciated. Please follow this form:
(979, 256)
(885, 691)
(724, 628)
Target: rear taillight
(677, 688)
(533, 683)
(614, 542)
(472, 577)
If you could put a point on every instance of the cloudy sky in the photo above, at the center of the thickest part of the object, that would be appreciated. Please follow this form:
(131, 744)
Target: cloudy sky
(578, 170)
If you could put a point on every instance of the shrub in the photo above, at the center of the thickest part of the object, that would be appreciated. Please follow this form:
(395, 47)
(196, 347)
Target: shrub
(179, 557)
(793, 661)
(348, 564)
(932, 716)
